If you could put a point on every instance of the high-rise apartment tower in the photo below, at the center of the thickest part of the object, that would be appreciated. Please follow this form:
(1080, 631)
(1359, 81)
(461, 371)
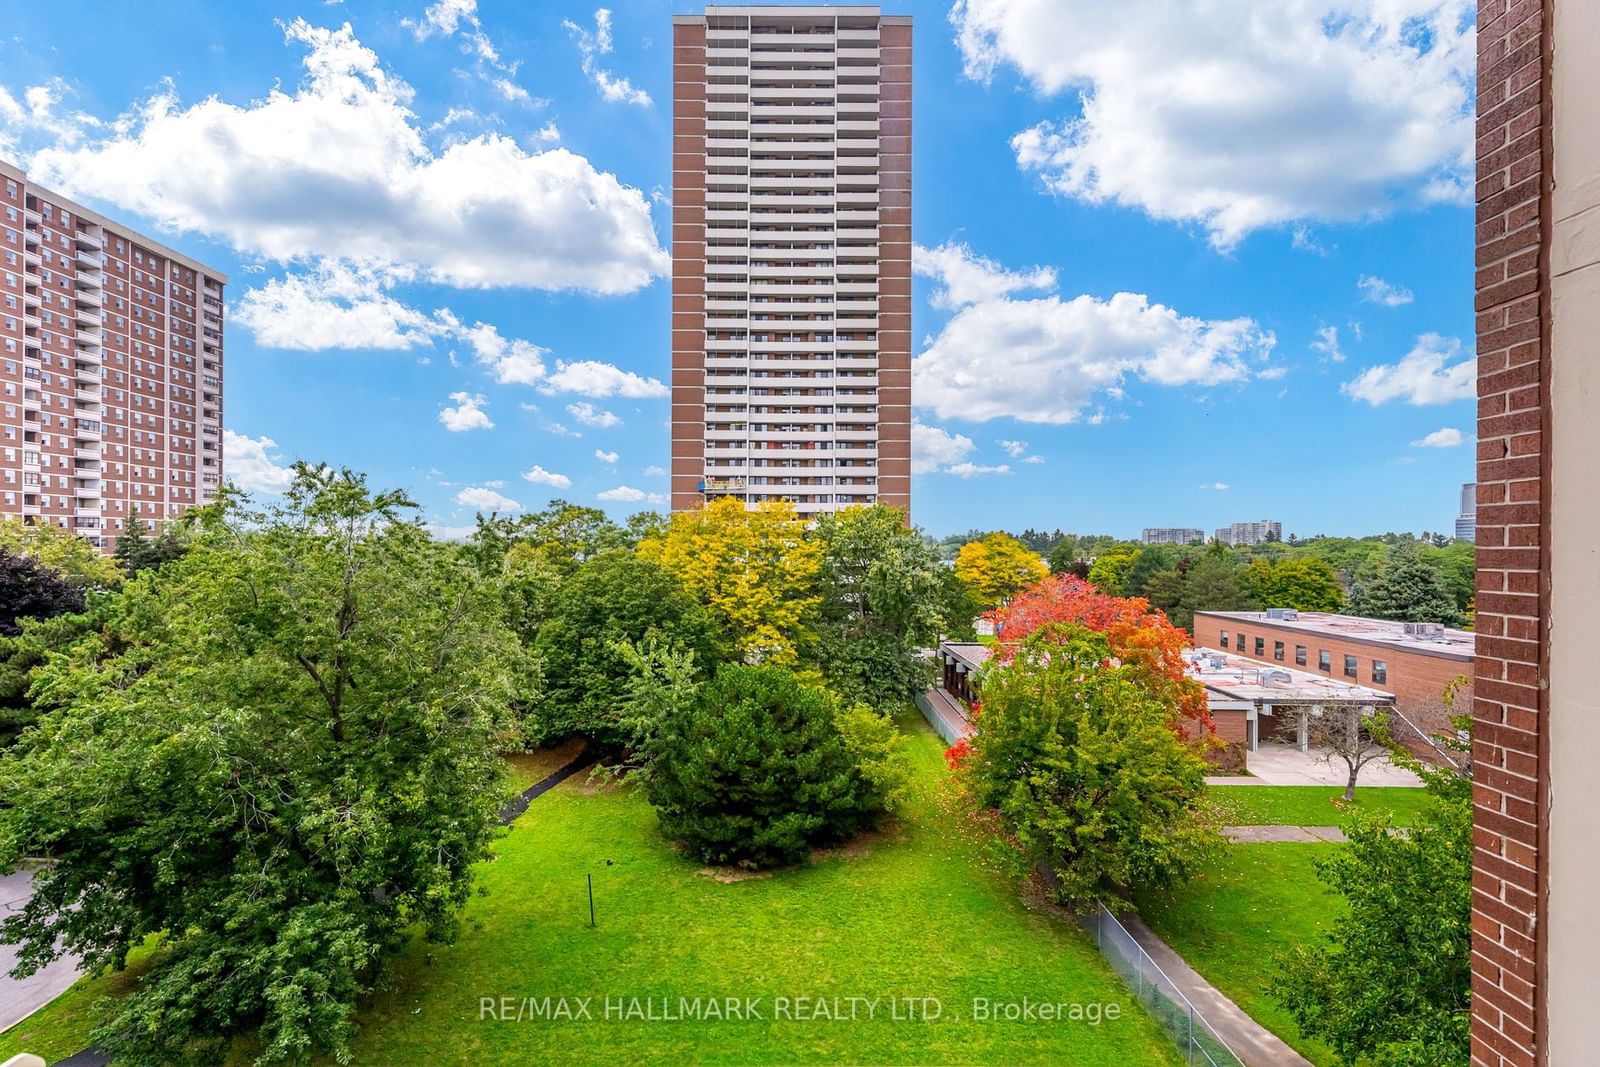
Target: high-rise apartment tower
(111, 364)
(791, 245)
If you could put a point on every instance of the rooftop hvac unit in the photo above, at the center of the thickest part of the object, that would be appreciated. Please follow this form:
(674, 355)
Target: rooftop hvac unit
(1272, 679)
(1285, 614)
(1215, 663)
(1424, 629)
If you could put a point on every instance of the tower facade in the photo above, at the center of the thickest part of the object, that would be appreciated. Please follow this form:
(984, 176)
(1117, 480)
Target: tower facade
(791, 245)
(111, 367)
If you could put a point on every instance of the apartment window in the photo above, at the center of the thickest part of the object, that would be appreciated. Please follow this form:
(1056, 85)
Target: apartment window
(1380, 671)
(1238, 642)
(1350, 667)
(1324, 660)
(1277, 651)
(1224, 640)
(1261, 646)
(1300, 655)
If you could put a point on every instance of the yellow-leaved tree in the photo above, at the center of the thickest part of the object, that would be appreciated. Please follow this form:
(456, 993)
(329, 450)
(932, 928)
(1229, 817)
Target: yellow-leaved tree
(997, 567)
(756, 570)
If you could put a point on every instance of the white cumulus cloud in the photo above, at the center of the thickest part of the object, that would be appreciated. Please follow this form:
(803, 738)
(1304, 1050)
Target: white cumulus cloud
(539, 476)
(589, 415)
(605, 457)
(964, 277)
(588, 377)
(467, 414)
(338, 167)
(1377, 291)
(248, 463)
(1433, 372)
(483, 498)
(1237, 114)
(1446, 437)
(1044, 360)
(627, 494)
(934, 448)
(334, 305)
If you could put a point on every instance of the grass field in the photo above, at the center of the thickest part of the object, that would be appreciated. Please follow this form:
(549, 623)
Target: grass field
(527, 768)
(1245, 909)
(912, 914)
(1309, 805)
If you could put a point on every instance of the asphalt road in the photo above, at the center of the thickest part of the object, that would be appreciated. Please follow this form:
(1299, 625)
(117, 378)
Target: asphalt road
(21, 997)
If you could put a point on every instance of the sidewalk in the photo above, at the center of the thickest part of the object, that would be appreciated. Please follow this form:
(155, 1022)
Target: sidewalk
(21, 997)
(1256, 835)
(1251, 1042)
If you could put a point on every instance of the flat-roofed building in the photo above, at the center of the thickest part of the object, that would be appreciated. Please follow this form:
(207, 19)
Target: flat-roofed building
(1250, 701)
(1251, 533)
(111, 362)
(1172, 535)
(1414, 661)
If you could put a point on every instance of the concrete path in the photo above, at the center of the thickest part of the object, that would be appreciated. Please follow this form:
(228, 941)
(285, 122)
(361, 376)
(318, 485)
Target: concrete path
(21, 997)
(1255, 835)
(1278, 764)
(1251, 1042)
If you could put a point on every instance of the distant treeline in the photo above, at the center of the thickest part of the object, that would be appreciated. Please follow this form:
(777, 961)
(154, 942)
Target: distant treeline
(1391, 576)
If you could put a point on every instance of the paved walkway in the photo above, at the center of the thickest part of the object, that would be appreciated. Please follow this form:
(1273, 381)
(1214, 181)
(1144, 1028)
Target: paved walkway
(1278, 764)
(21, 997)
(1251, 1042)
(1256, 835)
(519, 803)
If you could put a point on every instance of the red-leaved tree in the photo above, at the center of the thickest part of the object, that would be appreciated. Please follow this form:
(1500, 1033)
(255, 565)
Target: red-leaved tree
(1138, 634)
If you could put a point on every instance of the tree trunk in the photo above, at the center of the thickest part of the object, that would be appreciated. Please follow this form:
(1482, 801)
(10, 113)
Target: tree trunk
(1350, 786)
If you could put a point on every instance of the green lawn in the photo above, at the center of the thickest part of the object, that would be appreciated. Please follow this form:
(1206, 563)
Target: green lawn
(910, 914)
(527, 768)
(1309, 805)
(1245, 909)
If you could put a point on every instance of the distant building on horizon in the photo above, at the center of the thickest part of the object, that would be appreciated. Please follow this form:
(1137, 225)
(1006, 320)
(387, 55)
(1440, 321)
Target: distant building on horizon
(1467, 521)
(1250, 533)
(1172, 535)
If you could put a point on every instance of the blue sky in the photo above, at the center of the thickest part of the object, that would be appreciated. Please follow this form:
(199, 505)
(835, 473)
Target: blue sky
(453, 215)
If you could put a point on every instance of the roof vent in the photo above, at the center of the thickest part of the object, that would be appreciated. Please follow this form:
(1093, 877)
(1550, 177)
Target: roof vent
(1273, 679)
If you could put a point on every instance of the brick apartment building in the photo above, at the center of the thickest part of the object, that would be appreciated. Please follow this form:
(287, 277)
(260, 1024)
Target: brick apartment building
(791, 245)
(111, 365)
(1415, 667)
(1536, 717)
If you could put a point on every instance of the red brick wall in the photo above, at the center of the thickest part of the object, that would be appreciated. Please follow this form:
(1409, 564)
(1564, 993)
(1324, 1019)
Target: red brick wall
(1509, 706)
(1417, 681)
(688, 263)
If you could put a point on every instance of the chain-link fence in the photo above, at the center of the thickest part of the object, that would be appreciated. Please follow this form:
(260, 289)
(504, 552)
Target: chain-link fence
(1161, 998)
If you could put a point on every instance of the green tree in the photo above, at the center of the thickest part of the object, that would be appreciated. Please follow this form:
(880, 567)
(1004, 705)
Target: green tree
(756, 772)
(60, 550)
(137, 551)
(1213, 582)
(1110, 571)
(561, 536)
(612, 601)
(881, 600)
(1151, 560)
(1406, 587)
(281, 762)
(1390, 982)
(1302, 582)
(1086, 768)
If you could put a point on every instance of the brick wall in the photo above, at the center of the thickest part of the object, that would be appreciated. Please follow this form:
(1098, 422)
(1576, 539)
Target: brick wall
(1509, 705)
(1417, 680)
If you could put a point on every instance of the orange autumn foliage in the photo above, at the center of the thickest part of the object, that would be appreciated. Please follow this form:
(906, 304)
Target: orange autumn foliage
(1138, 634)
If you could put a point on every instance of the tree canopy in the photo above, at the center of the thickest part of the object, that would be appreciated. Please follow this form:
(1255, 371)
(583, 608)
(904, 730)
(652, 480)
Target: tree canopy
(996, 567)
(754, 570)
(279, 757)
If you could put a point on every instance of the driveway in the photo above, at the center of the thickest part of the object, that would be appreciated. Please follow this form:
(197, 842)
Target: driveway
(21, 997)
